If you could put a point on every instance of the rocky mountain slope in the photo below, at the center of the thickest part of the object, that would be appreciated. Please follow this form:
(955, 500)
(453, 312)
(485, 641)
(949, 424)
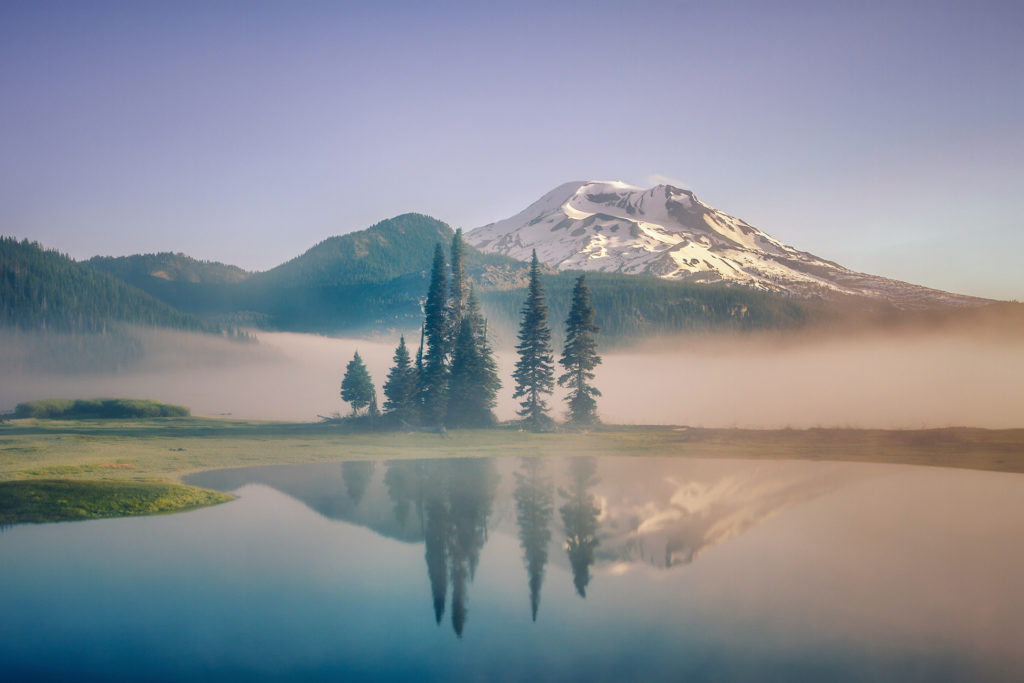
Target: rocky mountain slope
(669, 233)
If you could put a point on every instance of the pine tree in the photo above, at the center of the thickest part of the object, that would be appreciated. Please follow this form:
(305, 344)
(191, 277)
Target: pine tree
(435, 371)
(579, 357)
(401, 387)
(357, 387)
(373, 410)
(534, 372)
(456, 294)
(474, 382)
(419, 376)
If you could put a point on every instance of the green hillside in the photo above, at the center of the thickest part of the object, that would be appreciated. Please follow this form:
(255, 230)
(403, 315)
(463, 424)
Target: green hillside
(41, 289)
(199, 287)
(371, 280)
(356, 283)
(374, 280)
(349, 283)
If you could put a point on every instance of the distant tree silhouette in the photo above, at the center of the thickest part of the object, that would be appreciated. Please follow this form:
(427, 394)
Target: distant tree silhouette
(579, 357)
(534, 509)
(534, 371)
(357, 387)
(579, 515)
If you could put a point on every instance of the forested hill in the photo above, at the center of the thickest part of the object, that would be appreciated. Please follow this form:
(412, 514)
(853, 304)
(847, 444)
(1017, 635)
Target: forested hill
(360, 282)
(167, 267)
(373, 279)
(41, 289)
(389, 249)
(629, 308)
(188, 284)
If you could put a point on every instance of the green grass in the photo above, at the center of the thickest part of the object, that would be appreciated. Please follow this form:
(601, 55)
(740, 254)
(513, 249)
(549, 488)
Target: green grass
(97, 408)
(145, 452)
(61, 500)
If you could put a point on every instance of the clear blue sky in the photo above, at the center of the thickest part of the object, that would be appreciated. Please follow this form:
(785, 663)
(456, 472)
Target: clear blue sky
(887, 136)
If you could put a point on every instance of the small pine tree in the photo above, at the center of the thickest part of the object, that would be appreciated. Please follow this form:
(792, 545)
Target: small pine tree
(401, 387)
(534, 371)
(579, 357)
(474, 381)
(357, 387)
(434, 382)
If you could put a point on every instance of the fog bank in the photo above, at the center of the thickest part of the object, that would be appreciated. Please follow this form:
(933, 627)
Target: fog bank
(911, 380)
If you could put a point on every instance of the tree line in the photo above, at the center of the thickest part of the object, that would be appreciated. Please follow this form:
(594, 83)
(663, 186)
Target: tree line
(453, 380)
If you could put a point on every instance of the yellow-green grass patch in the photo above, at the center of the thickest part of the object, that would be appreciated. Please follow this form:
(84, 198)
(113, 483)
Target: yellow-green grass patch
(62, 500)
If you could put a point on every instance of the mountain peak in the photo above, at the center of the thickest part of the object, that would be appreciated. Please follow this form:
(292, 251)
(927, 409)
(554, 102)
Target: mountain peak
(667, 232)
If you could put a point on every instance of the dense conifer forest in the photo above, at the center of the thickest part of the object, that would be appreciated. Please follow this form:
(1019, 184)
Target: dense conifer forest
(42, 289)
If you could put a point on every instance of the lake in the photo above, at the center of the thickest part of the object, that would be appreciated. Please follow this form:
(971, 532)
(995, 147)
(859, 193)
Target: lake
(534, 568)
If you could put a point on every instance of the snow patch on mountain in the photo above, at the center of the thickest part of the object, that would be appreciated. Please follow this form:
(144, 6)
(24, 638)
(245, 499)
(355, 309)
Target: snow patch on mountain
(667, 232)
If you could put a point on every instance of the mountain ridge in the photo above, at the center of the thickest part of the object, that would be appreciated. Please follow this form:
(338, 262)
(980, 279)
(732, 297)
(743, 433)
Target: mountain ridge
(44, 289)
(666, 232)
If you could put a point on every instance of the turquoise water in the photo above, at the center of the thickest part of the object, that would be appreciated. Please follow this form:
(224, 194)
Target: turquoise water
(546, 569)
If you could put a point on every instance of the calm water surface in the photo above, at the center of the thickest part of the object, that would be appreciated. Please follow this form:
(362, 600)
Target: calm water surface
(550, 569)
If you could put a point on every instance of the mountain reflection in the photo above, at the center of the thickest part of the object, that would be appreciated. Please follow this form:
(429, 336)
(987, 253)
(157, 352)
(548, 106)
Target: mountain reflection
(659, 512)
(579, 515)
(533, 515)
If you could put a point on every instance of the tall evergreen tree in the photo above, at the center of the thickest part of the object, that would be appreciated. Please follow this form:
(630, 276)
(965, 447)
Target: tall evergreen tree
(457, 293)
(419, 376)
(434, 381)
(474, 382)
(401, 387)
(579, 357)
(357, 387)
(534, 372)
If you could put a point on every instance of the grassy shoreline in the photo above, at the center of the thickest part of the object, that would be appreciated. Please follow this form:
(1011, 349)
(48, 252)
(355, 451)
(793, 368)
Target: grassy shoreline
(135, 455)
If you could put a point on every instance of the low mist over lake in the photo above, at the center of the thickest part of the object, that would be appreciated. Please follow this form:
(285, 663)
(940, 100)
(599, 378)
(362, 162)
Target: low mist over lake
(908, 380)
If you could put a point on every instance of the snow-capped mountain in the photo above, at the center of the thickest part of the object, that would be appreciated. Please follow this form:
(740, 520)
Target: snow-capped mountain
(667, 232)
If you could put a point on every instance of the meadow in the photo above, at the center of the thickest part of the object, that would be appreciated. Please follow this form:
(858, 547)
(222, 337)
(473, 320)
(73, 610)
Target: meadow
(54, 470)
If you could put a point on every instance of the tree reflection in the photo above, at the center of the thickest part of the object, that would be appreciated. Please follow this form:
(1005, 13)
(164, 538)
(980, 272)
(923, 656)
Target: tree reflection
(357, 475)
(534, 509)
(457, 499)
(404, 482)
(579, 515)
(436, 532)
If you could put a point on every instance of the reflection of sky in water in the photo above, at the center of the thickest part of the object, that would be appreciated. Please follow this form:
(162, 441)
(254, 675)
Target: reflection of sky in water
(781, 570)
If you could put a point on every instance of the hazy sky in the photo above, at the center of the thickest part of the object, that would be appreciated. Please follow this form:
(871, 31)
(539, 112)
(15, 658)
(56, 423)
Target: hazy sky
(888, 136)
